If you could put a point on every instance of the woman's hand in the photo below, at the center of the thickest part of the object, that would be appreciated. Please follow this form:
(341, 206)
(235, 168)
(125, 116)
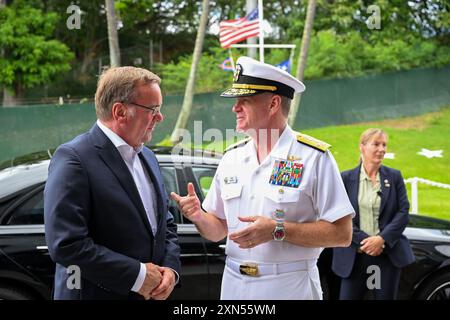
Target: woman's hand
(373, 246)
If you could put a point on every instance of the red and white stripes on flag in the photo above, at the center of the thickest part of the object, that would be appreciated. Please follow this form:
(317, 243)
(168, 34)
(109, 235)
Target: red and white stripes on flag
(234, 31)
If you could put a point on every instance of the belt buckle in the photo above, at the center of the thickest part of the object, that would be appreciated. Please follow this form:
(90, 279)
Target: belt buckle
(249, 269)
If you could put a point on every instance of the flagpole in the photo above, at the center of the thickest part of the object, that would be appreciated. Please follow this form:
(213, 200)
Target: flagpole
(231, 58)
(261, 34)
(291, 58)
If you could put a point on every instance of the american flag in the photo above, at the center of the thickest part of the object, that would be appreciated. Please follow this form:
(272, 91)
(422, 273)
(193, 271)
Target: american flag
(234, 31)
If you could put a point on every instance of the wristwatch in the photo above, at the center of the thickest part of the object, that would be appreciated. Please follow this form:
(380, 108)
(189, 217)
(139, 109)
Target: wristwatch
(279, 233)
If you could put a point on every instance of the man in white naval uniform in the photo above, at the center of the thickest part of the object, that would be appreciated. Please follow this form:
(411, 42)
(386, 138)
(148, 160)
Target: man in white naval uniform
(278, 196)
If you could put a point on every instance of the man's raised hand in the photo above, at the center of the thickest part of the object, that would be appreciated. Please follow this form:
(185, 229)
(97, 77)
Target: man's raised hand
(189, 204)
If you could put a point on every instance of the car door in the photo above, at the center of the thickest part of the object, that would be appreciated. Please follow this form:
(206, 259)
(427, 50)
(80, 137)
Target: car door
(202, 176)
(194, 265)
(22, 241)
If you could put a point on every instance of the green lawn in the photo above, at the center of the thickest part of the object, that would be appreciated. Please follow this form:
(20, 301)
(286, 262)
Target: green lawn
(407, 136)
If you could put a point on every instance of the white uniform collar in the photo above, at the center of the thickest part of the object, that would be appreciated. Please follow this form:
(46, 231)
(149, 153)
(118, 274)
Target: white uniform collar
(280, 149)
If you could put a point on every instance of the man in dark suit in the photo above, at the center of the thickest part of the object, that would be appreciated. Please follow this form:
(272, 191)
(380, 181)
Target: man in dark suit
(106, 209)
(378, 238)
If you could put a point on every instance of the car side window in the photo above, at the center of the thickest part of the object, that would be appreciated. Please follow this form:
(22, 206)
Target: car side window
(169, 175)
(204, 177)
(31, 211)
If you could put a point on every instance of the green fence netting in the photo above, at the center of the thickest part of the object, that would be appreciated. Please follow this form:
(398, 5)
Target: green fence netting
(27, 129)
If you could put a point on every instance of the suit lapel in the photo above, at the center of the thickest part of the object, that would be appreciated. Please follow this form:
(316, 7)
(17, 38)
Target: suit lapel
(385, 183)
(112, 158)
(353, 191)
(151, 168)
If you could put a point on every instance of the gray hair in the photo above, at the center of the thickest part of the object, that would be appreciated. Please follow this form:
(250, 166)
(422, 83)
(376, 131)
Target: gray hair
(118, 84)
(285, 105)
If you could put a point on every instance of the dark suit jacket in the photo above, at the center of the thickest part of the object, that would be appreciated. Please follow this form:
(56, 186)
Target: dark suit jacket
(95, 219)
(392, 221)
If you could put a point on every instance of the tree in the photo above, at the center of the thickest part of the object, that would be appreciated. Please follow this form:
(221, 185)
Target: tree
(190, 86)
(113, 39)
(303, 57)
(29, 57)
(413, 33)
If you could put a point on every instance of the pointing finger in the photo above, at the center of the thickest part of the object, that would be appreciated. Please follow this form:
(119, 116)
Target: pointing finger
(175, 196)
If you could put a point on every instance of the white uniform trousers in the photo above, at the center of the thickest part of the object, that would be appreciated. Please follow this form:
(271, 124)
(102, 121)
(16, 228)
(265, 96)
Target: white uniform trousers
(296, 285)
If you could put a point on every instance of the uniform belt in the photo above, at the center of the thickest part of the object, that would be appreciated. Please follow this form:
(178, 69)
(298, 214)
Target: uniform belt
(257, 269)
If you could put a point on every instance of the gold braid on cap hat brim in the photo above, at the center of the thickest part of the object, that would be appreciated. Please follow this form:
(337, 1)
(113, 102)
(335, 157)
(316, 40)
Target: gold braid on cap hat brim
(253, 86)
(233, 92)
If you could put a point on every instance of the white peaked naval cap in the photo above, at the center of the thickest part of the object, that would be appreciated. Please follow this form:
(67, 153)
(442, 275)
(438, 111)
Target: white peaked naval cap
(252, 77)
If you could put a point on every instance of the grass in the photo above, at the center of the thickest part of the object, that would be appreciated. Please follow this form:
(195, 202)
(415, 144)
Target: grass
(407, 136)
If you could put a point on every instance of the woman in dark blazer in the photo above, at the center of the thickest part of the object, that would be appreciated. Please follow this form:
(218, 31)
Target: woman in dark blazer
(379, 249)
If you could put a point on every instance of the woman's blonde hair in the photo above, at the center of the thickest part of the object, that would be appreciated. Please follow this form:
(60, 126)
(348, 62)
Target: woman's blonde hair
(369, 134)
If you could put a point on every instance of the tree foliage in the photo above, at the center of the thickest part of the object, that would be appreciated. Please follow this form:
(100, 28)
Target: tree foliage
(210, 76)
(333, 55)
(414, 33)
(29, 56)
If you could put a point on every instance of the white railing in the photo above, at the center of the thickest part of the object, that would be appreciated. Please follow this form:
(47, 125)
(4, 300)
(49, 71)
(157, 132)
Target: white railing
(415, 192)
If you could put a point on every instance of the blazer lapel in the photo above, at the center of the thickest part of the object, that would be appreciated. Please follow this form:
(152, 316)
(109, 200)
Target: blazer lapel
(112, 158)
(353, 191)
(152, 167)
(385, 183)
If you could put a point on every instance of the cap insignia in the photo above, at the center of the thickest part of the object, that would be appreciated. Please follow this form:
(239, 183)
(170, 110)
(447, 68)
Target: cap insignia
(237, 73)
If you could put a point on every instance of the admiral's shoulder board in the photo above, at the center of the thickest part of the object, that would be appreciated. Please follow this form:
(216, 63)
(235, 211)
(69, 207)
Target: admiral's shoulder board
(313, 142)
(237, 144)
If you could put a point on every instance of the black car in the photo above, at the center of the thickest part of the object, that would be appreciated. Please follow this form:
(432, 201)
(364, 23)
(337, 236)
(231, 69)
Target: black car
(26, 270)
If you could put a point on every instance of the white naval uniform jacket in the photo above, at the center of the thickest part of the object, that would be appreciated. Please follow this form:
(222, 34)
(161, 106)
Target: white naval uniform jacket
(241, 188)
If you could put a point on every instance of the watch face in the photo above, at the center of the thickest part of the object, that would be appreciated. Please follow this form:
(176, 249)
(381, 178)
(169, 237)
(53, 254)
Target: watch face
(278, 234)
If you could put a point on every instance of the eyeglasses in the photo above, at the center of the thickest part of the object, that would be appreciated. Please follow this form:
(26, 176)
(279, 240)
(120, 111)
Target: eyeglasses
(154, 109)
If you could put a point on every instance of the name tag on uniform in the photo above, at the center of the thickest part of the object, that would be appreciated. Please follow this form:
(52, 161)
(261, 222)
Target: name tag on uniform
(286, 173)
(230, 180)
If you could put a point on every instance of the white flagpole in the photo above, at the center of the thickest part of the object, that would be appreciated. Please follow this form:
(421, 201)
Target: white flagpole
(231, 58)
(261, 35)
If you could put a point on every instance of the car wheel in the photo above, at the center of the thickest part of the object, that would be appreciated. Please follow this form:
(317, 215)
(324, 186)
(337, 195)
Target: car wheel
(437, 288)
(12, 293)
